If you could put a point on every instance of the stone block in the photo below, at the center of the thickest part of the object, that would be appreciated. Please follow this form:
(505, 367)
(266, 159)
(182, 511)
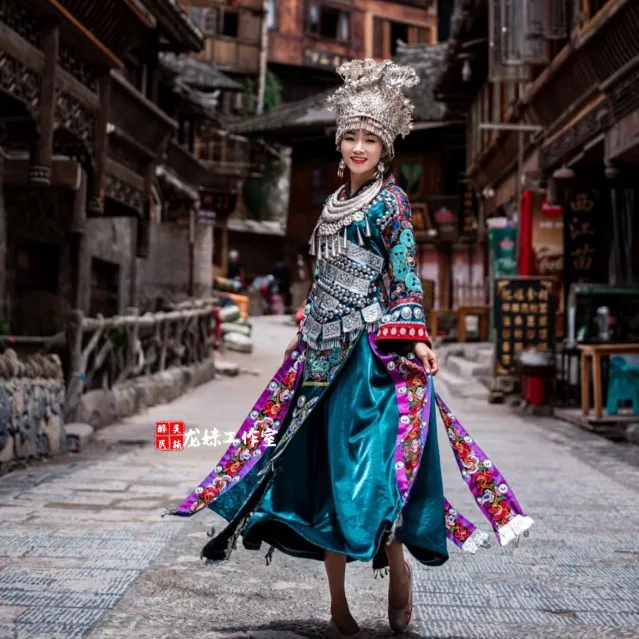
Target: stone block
(78, 436)
(632, 433)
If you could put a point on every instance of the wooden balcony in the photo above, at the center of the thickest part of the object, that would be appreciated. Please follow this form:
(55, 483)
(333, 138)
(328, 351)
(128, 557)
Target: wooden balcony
(197, 173)
(233, 54)
(145, 124)
(592, 61)
(224, 153)
(116, 27)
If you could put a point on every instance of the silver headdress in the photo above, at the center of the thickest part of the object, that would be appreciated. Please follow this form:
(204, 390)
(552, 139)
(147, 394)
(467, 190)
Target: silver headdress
(372, 98)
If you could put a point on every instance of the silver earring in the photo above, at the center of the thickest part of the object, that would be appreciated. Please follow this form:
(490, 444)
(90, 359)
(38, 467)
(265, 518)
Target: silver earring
(381, 168)
(340, 168)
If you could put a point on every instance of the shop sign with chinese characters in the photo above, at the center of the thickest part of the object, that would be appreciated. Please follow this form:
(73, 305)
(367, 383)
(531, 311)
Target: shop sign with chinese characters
(584, 236)
(524, 318)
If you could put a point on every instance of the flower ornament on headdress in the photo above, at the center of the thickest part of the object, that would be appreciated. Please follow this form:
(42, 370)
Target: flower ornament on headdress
(372, 98)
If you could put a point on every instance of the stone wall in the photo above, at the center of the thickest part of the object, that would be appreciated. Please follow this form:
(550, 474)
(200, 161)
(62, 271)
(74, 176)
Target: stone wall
(112, 239)
(100, 408)
(165, 274)
(31, 408)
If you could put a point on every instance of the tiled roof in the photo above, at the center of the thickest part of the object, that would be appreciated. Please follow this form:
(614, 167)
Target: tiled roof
(312, 112)
(199, 73)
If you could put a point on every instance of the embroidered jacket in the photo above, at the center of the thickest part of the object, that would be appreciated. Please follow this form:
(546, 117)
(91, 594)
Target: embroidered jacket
(349, 292)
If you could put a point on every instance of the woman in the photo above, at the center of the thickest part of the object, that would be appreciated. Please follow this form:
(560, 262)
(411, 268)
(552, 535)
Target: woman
(338, 460)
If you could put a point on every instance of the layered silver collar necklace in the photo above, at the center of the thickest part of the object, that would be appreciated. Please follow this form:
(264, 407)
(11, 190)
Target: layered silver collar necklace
(338, 214)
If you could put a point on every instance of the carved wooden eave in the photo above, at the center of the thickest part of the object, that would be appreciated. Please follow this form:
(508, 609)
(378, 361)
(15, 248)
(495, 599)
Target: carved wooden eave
(112, 31)
(138, 134)
(597, 63)
(61, 99)
(469, 34)
(178, 33)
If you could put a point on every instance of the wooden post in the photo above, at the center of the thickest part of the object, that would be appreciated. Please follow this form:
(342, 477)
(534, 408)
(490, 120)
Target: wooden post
(95, 202)
(75, 381)
(77, 246)
(41, 165)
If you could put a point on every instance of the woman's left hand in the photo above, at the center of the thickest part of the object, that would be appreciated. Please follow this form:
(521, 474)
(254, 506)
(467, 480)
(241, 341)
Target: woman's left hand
(427, 357)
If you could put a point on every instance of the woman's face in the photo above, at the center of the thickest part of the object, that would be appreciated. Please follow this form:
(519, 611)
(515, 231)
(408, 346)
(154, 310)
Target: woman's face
(361, 151)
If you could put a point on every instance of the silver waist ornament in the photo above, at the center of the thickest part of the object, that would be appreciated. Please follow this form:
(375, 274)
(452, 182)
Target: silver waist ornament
(339, 214)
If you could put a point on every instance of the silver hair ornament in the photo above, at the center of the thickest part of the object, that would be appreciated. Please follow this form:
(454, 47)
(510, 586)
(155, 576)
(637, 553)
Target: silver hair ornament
(372, 98)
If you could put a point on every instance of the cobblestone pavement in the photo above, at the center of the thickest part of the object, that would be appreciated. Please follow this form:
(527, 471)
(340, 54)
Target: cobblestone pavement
(84, 552)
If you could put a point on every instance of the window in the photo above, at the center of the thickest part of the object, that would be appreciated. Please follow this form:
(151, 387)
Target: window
(410, 177)
(209, 21)
(104, 288)
(313, 18)
(329, 22)
(196, 16)
(378, 38)
(343, 29)
(230, 24)
(386, 33)
(272, 14)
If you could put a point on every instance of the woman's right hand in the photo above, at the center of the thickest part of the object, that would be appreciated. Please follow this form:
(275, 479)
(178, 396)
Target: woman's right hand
(292, 345)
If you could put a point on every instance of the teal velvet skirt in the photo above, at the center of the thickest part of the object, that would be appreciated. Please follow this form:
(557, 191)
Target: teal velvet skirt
(336, 487)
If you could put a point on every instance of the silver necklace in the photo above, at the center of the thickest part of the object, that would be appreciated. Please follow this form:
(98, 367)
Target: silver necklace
(338, 214)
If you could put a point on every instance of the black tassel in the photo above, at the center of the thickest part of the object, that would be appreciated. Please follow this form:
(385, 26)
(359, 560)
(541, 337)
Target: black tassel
(380, 560)
(380, 573)
(269, 555)
(211, 533)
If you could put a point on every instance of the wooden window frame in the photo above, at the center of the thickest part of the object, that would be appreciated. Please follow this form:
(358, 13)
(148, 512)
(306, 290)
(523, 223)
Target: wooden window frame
(327, 5)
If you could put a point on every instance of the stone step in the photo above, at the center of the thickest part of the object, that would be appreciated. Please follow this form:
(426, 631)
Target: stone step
(461, 388)
(464, 368)
(229, 369)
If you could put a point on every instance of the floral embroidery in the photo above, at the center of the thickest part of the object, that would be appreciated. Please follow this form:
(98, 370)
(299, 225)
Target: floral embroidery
(405, 318)
(264, 421)
(457, 530)
(413, 442)
(489, 489)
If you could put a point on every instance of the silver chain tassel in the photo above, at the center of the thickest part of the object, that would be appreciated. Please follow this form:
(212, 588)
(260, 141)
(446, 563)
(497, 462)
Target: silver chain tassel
(340, 168)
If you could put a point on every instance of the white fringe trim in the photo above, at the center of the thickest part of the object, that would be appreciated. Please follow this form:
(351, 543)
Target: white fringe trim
(479, 539)
(513, 530)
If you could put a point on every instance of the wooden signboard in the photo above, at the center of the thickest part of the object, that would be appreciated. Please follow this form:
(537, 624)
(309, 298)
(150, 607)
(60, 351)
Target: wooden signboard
(524, 315)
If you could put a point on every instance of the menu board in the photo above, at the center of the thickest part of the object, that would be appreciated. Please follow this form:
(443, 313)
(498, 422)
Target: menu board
(524, 315)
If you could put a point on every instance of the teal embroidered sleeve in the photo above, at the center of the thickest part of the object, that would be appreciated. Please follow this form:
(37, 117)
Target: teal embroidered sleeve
(405, 318)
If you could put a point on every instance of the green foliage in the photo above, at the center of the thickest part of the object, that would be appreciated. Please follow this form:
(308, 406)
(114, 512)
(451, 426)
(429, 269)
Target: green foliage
(258, 192)
(250, 95)
(272, 92)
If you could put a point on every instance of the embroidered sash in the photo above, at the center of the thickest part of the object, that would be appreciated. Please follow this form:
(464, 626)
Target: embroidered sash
(414, 392)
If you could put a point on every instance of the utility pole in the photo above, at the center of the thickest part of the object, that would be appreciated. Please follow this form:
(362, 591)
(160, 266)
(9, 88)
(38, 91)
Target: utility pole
(261, 85)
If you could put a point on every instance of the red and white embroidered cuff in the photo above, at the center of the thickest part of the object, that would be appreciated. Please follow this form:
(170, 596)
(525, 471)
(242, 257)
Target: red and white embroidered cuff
(408, 331)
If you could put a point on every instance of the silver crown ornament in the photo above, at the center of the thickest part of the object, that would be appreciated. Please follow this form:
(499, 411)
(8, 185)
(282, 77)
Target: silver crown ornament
(371, 98)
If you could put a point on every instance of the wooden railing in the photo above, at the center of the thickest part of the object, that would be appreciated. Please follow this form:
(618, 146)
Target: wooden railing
(223, 152)
(107, 351)
(145, 124)
(468, 294)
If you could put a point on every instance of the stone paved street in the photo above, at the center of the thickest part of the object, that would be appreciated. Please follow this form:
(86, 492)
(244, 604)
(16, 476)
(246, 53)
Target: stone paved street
(85, 553)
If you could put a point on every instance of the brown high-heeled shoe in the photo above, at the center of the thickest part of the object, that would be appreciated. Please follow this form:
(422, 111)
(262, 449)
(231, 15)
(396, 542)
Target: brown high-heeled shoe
(399, 618)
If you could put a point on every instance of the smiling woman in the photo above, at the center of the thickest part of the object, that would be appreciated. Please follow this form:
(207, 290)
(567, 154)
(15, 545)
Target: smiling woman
(355, 473)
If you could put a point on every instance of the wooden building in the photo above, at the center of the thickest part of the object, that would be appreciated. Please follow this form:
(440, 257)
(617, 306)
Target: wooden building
(308, 39)
(428, 165)
(113, 169)
(568, 70)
